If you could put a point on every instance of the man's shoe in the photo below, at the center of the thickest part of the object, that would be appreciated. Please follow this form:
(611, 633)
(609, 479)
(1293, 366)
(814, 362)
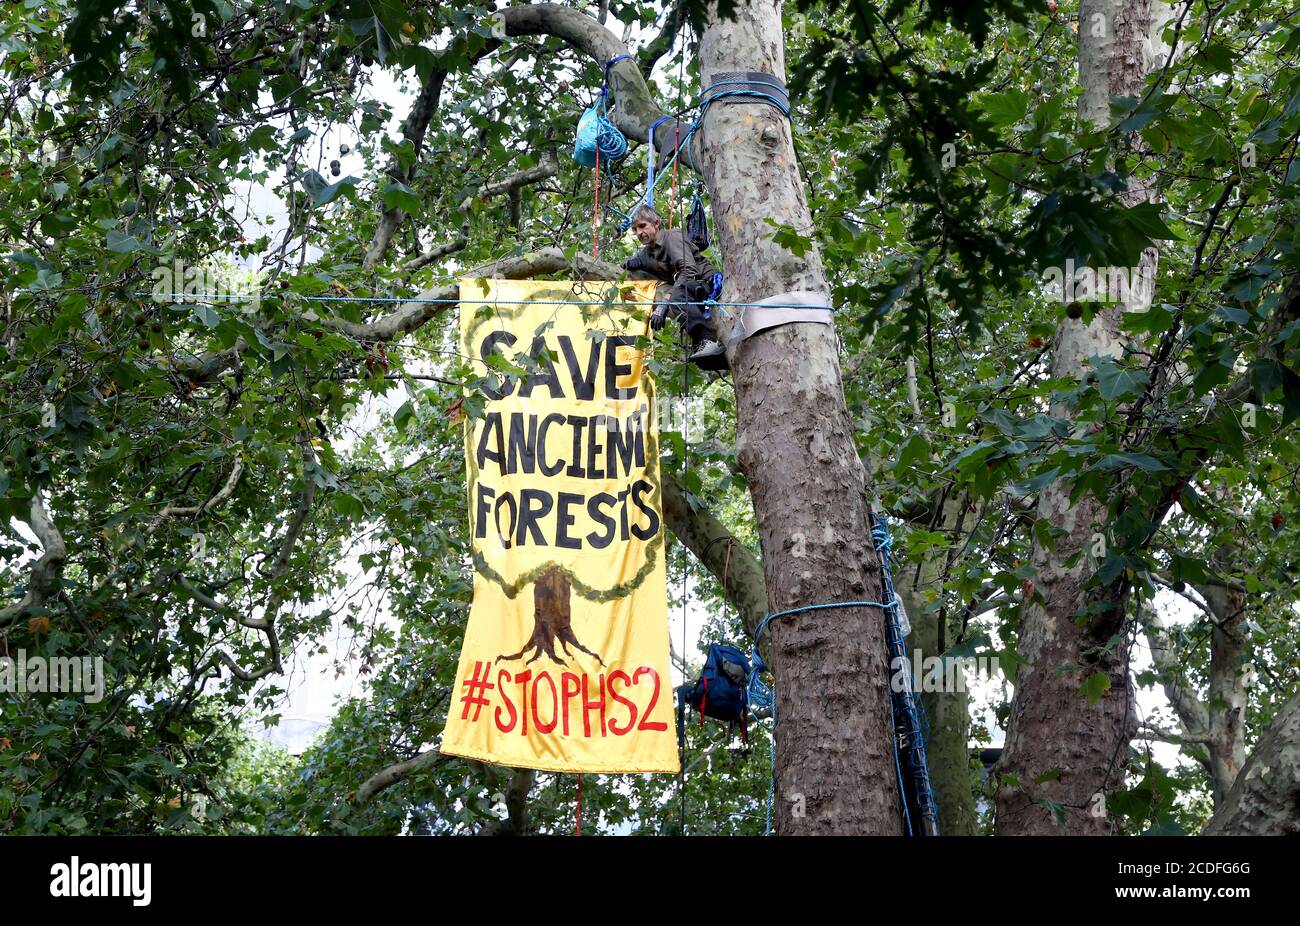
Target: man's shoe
(710, 355)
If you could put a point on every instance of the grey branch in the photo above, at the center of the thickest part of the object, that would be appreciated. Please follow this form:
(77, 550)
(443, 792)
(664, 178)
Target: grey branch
(47, 571)
(413, 129)
(663, 43)
(222, 494)
(411, 315)
(398, 772)
(548, 167)
(279, 566)
(1265, 800)
(1191, 712)
(435, 254)
(633, 110)
(516, 800)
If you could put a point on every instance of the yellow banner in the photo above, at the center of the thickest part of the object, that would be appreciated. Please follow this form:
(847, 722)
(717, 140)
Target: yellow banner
(565, 660)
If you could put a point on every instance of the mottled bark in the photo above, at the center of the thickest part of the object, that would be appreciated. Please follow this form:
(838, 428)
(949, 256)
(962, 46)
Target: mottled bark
(47, 572)
(948, 712)
(515, 799)
(1265, 801)
(1063, 751)
(1226, 704)
(834, 763)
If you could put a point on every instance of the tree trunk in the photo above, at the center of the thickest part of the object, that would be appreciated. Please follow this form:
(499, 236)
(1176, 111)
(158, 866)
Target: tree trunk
(948, 712)
(1226, 705)
(1063, 751)
(834, 761)
(1265, 801)
(834, 764)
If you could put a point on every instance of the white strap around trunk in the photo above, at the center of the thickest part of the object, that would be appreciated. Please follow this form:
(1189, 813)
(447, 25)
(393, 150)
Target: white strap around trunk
(769, 312)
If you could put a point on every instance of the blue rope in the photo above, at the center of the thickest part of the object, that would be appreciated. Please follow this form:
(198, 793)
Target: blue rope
(611, 145)
(772, 100)
(610, 142)
(613, 61)
(653, 178)
(223, 298)
(709, 96)
(763, 696)
(915, 728)
(650, 179)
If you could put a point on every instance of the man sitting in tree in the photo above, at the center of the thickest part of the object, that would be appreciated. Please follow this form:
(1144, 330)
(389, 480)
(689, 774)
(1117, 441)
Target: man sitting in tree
(668, 255)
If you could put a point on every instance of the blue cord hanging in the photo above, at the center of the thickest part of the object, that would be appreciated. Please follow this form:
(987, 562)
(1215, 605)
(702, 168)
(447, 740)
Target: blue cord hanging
(907, 715)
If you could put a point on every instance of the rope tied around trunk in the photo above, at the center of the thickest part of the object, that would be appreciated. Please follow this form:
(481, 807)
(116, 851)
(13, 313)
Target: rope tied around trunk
(906, 714)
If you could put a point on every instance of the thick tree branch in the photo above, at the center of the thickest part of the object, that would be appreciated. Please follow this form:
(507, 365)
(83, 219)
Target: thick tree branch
(1191, 712)
(436, 253)
(413, 129)
(663, 42)
(632, 109)
(1265, 800)
(516, 801)
(222, 494)
(548, 167)
(399, 771)
(411, 315)
(730, 561)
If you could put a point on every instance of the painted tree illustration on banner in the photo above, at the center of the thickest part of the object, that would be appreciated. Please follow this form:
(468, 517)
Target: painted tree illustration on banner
(552, 609)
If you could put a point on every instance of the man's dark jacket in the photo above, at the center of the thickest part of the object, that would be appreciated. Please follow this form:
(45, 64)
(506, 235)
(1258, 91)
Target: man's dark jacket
(673, 259)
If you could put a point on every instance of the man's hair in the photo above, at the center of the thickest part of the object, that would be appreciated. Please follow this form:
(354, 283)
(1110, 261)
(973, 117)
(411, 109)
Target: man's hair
(645, 212)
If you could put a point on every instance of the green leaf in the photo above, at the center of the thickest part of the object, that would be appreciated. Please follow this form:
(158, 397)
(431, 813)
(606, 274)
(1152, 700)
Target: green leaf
(120, 243)
(403, 415)
(330, 193)
(382, 42)
(1117, 382)
(1006, 108)
(1142, 461)
(1265, 375)
(1290, 395)
(916, 450)
(207, 315)
(400, 196)
(1146, 218)
(1095, 687)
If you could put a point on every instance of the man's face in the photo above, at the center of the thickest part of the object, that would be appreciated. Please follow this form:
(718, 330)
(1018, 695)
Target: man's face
(645, 230)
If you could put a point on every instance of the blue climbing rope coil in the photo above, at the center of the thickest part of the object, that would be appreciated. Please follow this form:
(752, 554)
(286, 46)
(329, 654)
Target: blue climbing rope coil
(907, 715)
(598, 140)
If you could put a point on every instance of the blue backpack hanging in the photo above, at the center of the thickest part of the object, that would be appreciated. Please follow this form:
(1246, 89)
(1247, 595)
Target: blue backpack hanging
(720, 691)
